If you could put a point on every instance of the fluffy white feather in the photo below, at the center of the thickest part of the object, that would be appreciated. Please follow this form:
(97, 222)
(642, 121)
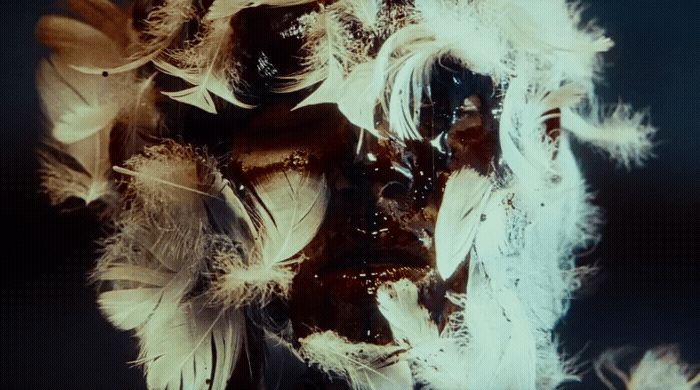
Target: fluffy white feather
(410, 323)
(466, 195)
(623, 134)
(365, 366)
(500, 347)
(80, 170)
(197, 348)
(152, 263)
(659, 368)
(290, 209)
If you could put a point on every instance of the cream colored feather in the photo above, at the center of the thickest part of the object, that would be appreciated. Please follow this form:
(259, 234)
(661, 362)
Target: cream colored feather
(365, 366)
(459, 217)
(659, 368)
(150, 266)
(206, 65)
(80, 111)
(162, 26)
(290, 209)
(621, 133)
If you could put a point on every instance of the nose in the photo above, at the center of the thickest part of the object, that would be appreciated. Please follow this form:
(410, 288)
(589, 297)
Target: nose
(381, 190)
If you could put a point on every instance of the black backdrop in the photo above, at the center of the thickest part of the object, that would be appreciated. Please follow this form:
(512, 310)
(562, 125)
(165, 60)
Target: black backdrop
(645, 294)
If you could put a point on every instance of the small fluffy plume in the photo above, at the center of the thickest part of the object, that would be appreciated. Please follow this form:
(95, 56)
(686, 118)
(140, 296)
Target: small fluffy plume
(152, 264)
(337, 38)
(465, 198)
(287, 215)
(623, 134)
(435, 360)
(365, 366)
(206, 65)
(527, 149)
(660, 368)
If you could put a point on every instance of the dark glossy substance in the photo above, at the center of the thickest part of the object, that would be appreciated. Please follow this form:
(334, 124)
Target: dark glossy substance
(384, 199)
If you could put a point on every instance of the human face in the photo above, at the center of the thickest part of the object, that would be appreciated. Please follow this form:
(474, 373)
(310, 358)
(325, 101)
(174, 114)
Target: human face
(385, 194)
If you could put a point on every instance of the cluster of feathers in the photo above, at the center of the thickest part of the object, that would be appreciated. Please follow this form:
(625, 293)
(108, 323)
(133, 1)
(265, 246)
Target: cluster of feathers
(192, 251)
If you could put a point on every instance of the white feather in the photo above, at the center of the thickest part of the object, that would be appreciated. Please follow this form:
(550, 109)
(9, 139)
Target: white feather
(659, 368)
(365, 366)
(459, 217)
(290, 210)
(154, 260)
(197, 348)
(410, 323)
(207, 66)
(501, 346)
(622, 133)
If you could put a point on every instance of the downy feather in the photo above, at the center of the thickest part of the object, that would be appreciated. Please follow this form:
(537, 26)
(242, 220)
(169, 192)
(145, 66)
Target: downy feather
(500, 345)
(410, 323)
(336, 39)
(150, 266)
(327, 53)
(623, 134)
(365, 366)
(288, 212)
(659, 368)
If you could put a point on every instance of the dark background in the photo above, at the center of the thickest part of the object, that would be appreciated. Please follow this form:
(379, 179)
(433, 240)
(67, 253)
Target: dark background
(645, 294)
